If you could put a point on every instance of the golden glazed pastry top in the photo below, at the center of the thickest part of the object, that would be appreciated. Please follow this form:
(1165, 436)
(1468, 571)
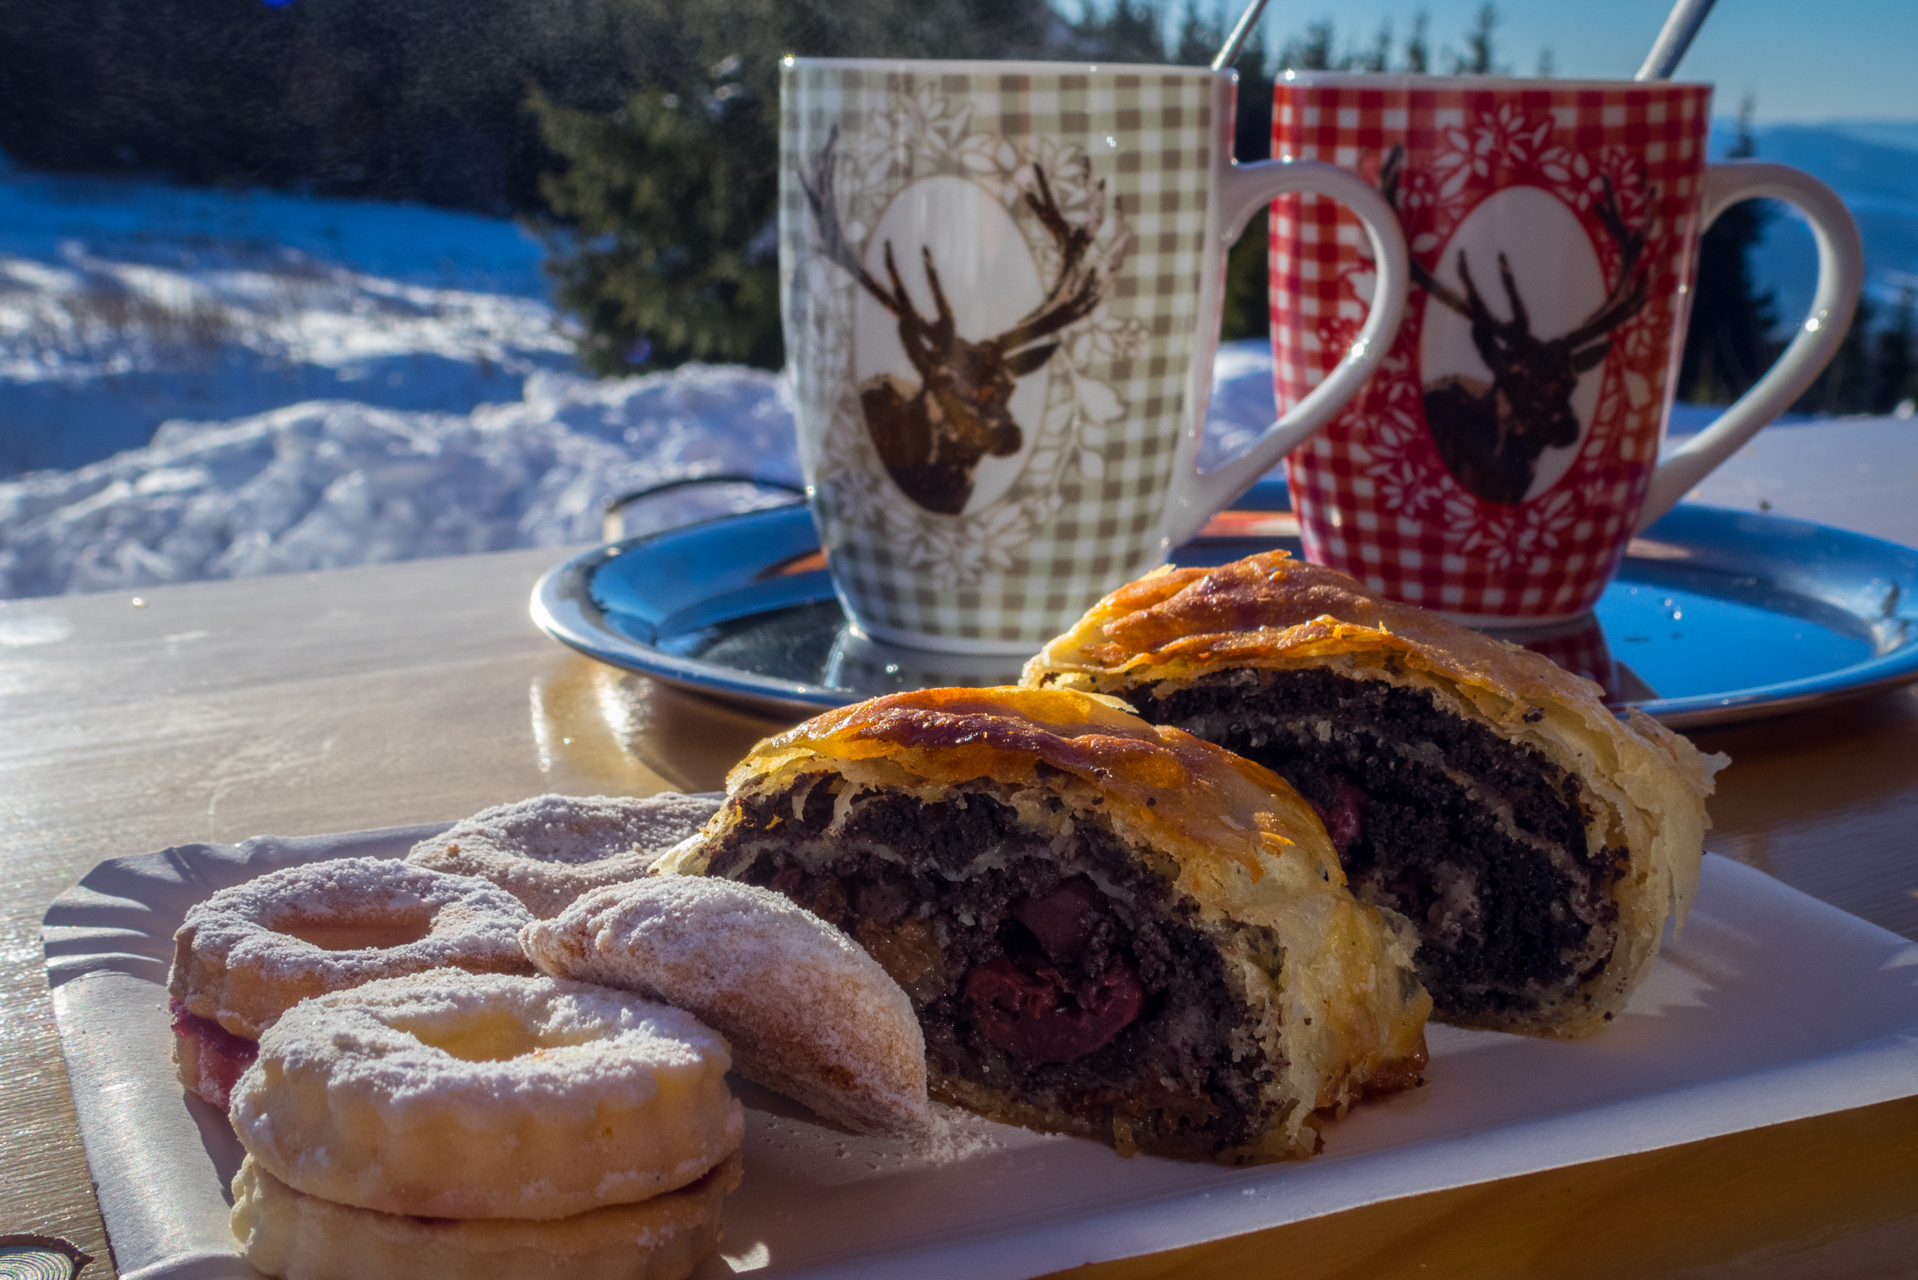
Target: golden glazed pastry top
(1162, 786)
(1269, 611)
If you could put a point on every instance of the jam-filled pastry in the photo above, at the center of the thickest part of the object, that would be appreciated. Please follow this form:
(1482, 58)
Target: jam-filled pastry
(1105, 928)
(1538, 840)
(254, 950)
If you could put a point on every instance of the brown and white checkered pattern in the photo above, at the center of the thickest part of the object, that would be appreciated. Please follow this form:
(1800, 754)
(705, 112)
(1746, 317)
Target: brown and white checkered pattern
(1026, 566)
(1373, 495)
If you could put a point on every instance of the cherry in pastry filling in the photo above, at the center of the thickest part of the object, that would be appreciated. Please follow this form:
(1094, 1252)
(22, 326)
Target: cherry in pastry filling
(1041, 1015)
(1058, 971)
(1031, 1009)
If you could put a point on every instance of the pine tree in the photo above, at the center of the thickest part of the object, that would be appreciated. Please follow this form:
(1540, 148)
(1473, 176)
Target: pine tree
(1480, 57)
(1728, 340)
(1379, 56)
(1310, 52)
(1418, 52)
(421, 100)
(664, 228)
(1894, 373)
(1131, 31)
(670, 255)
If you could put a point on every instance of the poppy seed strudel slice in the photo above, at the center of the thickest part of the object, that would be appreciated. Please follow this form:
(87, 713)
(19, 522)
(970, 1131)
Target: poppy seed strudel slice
(1104, 927)
(1537, 840)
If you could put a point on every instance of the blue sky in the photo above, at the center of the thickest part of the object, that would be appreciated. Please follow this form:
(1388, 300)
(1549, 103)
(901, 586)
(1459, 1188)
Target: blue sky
(1802, 60)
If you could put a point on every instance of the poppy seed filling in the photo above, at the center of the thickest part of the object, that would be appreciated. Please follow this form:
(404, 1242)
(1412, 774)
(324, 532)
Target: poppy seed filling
(1479, 841)
(1055, 966)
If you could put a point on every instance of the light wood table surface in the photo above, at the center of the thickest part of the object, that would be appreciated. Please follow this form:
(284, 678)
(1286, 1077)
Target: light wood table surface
(419, 692)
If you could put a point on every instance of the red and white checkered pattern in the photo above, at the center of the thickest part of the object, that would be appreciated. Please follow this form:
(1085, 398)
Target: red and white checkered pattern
(1583, 652)
(1373, 494)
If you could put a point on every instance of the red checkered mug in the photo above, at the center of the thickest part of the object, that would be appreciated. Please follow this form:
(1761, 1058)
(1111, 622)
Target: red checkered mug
(1506, 450)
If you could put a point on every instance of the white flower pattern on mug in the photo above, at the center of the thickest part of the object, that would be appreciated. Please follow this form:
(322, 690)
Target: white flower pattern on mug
(1390, 443)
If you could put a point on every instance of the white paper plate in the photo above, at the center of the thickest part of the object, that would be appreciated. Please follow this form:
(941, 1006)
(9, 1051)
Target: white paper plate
(1772, 1007)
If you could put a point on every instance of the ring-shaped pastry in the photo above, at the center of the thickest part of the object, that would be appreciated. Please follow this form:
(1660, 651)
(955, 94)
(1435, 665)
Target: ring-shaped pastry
(550, 849)
(283, 1232)
(486, 1096)
(251, 952)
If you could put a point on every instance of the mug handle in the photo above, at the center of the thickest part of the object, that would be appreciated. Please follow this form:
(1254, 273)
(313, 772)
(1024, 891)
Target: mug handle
(1841, 273)
(1243, 188)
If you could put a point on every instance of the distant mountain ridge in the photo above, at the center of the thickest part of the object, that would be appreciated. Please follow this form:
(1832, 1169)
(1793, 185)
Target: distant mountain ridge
(1873, 166)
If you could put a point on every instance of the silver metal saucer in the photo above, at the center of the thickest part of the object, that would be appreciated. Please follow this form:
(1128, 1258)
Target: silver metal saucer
(1716, 616)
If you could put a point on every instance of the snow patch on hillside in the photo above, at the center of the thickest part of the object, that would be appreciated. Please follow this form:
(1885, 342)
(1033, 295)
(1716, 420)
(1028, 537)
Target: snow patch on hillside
(328, 484)
(124, 304)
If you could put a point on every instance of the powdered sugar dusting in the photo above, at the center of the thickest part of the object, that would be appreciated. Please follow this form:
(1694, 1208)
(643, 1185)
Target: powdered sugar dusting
(548, 850)
(468, 923)
(808, 1012)
(592, 1043)
(459, 1095)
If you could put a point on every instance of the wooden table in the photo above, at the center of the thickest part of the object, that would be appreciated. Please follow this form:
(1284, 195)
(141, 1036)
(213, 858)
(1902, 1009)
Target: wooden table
(419, 692)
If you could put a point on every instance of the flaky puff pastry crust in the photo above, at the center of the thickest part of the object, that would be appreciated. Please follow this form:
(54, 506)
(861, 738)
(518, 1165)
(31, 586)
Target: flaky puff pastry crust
(1270, 611)
(1343, 1015)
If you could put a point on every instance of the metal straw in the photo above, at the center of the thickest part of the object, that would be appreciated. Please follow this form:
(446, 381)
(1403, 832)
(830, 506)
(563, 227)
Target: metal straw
(1229, 54)
(1686, 18)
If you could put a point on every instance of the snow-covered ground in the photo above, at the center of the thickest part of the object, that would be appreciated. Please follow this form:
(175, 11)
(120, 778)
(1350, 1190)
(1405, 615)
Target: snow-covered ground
(205, 384)
(125, 304)
(330, 483)
(327, 484)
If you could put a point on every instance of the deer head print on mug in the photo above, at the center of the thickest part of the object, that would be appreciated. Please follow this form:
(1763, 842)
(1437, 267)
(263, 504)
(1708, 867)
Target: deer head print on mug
(1501, 459)
(1002, 290)
(933, 428)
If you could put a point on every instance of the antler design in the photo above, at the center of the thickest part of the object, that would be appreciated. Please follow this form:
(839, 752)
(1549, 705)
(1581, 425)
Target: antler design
(1078, 287)
(1622, 303)
(825, 216)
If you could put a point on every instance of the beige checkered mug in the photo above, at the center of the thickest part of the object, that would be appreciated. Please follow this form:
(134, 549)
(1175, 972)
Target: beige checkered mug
(1002, 286)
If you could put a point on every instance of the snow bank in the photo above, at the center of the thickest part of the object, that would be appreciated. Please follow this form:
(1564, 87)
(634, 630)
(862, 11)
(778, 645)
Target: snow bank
(328, 484)
(124, 304)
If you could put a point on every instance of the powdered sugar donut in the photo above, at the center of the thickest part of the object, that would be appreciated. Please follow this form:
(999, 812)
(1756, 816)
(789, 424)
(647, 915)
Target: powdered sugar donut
(453, 1095)
(283, 1232)
(249, 953)
(808, 1013)
(548, 850)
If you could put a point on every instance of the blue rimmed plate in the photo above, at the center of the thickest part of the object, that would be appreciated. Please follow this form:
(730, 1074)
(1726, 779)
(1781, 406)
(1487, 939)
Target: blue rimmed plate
(1716, 616)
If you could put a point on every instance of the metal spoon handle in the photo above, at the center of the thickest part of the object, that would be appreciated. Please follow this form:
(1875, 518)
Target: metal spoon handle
(1686, 18)
(1229, 52)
